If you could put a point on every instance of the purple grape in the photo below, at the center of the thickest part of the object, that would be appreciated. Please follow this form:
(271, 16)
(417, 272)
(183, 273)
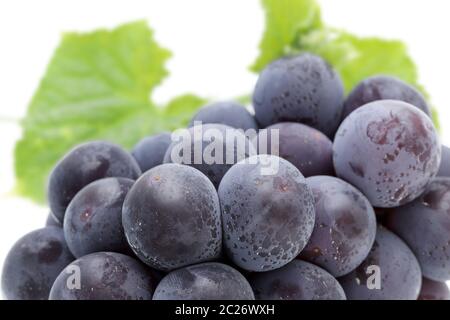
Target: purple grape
(444, 170)
(301, 89)
(399, 272)
(424, 225)
(171, 217)
(298, 280)
(306, 148)
(229, 113)
(206, 281)
(433, 290)
(345, 226)
(93, 220)
(384, 88)
(105, 276)
(150, 151)
(267, 216)
(52, 221)
(33, 264)
(389, 150)
(84, 164)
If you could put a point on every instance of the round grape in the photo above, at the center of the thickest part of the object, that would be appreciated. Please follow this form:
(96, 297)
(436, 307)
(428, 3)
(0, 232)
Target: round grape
(150, 151)
(433, 290)
(444, 170)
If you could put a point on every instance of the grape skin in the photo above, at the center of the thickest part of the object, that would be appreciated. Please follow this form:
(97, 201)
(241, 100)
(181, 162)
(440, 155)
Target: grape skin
(424, 225)
(207, 281)
(301, 88)
(52, 221)
(229, 113)
(106, 276)
(384, 88)
(150, 151)
(444, 170)
(82, 165)
(345, 226)
(433, 290)
(267, 218)
(298, 280)
(33, 264)
(214, 171)
(171, 217)
(93, 220)
(400, 273)
(389, 150)
(306, 148)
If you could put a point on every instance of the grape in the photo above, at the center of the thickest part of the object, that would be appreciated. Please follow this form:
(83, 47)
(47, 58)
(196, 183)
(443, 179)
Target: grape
(150, 151)
(171, 217)
(298, 280)
(433, 290)
(384, 88)
(399, 272)
(93, 220)
(345, 226)
(425, 226)
(389, 150)
(206, 281)
(213, 164)
(52, 221)
(444, 170)
(267, 216)
(105, 276)
(33, 264)
(306, 148)
(82, 165)
(228, 113)
(301, 89)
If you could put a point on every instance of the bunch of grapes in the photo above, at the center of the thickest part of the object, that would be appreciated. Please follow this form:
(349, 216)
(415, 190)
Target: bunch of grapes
(316, 196)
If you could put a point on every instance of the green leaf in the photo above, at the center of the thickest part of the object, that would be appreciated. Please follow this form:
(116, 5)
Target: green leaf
(97, 86)
(286, 21)
(180, 110)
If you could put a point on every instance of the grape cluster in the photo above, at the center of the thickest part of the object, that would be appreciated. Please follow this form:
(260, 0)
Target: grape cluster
(314, 196)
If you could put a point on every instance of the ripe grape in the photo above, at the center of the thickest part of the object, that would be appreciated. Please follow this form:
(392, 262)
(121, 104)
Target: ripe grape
(268, 216)
(433, 290)
(393, 263)
(150, 151)
(306, 148)
(303, 89)
(345, 226)
(229, 113)
(33, 264)
(444, 170)
(93, 220)
(82, 165)
(52, 221)
(298, 280)
(424, 225)
(105, 276)
(206, 281)
(389, 150)
(171, 217)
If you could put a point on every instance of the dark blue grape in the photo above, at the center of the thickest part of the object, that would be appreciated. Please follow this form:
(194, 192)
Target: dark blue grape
(298, 280)
(444, 170)
(399, 272)
(424, 225)
(233, 150)
(33, 264)
(345, 226)
(171, 217)
(306, 148)
(301, 89)
(384, 88)
(52, 221)
(229, 113)
(389, 150)
(433, 290)
(82, 165)
(93, 220)
(150, 151)
(105, 276)
(206, 281)
(268, 215)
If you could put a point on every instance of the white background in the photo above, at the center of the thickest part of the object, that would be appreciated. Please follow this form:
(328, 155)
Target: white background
(213, 42)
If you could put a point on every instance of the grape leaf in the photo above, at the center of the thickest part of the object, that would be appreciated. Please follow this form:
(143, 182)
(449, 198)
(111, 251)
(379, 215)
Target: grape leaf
(98, 85)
